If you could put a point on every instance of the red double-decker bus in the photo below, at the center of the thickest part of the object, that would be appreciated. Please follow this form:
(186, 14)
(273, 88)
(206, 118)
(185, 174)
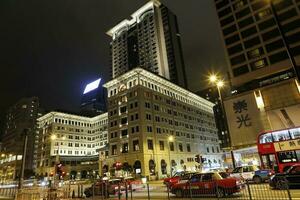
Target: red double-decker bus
(279, 149)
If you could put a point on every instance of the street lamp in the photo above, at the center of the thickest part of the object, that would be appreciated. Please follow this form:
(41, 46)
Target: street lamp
(170, 139)
(284, 39)
(53, 137)
(219, 83)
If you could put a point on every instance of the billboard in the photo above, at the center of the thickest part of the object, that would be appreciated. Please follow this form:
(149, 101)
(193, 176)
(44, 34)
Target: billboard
(92, 86)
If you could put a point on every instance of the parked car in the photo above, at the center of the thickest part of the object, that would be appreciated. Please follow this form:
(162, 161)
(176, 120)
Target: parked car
(217, 184)
(110, 187)
(252, 173)
(287, 179)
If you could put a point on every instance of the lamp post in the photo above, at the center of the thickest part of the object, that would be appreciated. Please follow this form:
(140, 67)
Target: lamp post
(21, 178)
(219, 83)
(54, 138)
(285, 42)
(170, 139)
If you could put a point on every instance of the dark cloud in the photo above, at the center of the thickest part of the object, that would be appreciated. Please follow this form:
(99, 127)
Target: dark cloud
(51, 49)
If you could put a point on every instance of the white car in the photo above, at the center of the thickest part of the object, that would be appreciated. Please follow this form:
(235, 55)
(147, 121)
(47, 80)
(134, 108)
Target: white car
(251, 173)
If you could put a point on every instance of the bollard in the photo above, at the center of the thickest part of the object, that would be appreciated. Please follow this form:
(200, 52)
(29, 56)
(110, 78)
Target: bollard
(93, 192)
(190, 191)
(131, 193)
(119, 191)
(78, 191)
(148, 191)
(73, 194)
(249, 192)
(126, 190)
(168, 190)
(81, 190)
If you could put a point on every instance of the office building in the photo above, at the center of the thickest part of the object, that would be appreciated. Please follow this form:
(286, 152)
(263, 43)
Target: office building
(155, 125)
(265, 93)
(211, 94)
(71, 140)
(149, 39)
(254, 47)
(93, 100)
(21, 120)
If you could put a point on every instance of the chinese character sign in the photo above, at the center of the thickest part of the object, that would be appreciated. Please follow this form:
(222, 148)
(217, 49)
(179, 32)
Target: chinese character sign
(240, 108)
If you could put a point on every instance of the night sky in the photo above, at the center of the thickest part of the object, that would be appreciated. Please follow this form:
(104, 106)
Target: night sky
(51, 49)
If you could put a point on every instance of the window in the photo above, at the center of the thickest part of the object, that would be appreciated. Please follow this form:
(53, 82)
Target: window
(245, 22)
(124, 133)
(288, 156)
(229, 30)
(255, 53)
(125, 148)
(123, 109)
(114, 149)
(281, 135)
(266, 138)
(277, 57)
(235, 49)
(148, 116)
(171, 146)
(227, 20)
(135, 145)
(188, 147)
(124, 120)
(258, 64)
(248, 32)
(149, 129)
(232, 39)
(252, 42)
(161, 145)
(237, 59)
(274, 45)
(240, 70)
(150, 144)
(180, 147)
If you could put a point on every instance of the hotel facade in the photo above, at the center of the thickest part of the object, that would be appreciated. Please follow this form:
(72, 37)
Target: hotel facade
(155, 126)
(71, 140)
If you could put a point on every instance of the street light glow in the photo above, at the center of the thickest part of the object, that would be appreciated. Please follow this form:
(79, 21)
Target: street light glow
(171, 138)
(220, 84)
(53, 137)
(213, 78)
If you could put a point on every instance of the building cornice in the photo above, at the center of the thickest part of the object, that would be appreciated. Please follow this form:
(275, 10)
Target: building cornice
(72, 116)
(149, 76)
(134, 17)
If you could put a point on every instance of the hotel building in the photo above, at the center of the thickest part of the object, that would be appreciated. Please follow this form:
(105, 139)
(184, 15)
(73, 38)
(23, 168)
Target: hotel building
(154, 124)
(72, 140)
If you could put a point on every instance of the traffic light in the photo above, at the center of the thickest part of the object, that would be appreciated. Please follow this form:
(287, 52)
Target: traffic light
(59, 170)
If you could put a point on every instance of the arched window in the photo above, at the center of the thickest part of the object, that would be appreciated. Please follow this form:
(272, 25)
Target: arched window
(152, 167)
(163, 165)
(137, 167)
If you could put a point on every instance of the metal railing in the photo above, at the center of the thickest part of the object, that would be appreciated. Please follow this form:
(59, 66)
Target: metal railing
(157, 190)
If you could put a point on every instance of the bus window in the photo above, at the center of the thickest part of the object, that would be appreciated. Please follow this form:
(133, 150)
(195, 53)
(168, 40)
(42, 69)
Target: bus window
(281, 135)
(265, 138)
(295, 133)
(269, 161)
(287, 156)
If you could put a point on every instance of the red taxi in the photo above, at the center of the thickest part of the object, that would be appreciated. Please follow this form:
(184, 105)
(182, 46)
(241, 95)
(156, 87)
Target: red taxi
(217, 184)
(177, 177)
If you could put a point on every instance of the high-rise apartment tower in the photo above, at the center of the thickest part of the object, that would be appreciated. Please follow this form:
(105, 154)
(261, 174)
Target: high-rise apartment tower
(150, 39)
